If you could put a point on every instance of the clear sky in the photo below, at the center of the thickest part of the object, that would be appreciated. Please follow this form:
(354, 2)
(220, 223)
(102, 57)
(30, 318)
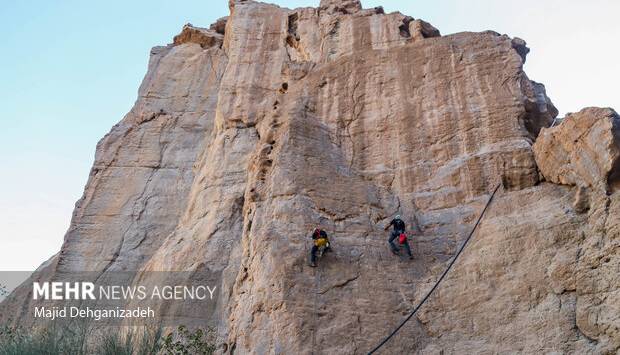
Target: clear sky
(70, 69)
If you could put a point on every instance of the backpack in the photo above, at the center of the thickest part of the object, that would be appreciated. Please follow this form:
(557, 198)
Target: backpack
(402, 238)
(321, 242)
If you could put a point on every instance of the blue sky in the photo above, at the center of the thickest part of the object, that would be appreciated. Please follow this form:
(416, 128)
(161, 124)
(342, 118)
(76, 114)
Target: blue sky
(70, 69)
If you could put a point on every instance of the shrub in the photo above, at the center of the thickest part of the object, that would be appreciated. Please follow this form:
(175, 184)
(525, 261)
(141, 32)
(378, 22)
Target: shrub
(184, 342)
(56, 340)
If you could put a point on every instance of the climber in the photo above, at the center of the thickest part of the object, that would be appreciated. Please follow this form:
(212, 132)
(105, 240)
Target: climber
(320, 245)
(399, 231)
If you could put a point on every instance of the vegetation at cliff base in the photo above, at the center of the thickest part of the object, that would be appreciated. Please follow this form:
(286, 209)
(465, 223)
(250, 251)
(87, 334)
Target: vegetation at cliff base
(55, 340)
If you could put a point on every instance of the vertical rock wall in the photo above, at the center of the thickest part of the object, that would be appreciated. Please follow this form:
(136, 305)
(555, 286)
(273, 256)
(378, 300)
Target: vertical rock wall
(248, 134)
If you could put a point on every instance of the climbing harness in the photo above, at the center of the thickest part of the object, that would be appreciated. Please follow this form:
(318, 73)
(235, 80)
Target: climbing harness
(438, 280)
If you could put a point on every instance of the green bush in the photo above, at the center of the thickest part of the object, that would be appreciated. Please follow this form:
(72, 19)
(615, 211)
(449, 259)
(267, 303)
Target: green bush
(130, 343)
(184, 342)
(14, 340)
(74, 340)
(78, 340)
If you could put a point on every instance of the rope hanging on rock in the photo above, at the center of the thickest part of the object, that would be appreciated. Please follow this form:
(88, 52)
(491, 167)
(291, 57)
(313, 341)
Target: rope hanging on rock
(440, 278)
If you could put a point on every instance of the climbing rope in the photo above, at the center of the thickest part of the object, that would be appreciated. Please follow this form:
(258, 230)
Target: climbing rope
(440, 278)
(317, 285)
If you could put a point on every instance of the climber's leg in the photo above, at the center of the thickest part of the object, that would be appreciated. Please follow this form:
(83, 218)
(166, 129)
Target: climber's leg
(408, 249)
(393, 246)
(313, 255)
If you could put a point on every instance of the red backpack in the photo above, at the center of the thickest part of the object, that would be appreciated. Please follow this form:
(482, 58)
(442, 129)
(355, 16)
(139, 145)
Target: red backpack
(402, 238)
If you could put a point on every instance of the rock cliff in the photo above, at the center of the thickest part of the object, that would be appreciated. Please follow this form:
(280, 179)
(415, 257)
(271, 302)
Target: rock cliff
(248, 134)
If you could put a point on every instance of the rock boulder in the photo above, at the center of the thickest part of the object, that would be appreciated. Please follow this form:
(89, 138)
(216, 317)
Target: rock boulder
(583, 150)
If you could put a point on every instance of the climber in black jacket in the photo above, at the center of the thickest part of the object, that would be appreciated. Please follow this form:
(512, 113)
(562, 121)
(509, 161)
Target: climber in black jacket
(399, 228)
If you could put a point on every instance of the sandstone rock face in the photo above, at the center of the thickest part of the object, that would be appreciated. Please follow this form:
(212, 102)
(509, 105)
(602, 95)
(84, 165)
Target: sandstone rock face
(343, 117)
(202, 36)
(583, 150)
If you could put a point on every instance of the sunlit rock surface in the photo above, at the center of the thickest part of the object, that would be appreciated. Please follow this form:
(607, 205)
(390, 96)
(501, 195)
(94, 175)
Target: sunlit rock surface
(248, 134)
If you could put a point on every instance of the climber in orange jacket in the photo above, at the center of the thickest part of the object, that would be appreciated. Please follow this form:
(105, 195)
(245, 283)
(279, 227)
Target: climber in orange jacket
(320, 243)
